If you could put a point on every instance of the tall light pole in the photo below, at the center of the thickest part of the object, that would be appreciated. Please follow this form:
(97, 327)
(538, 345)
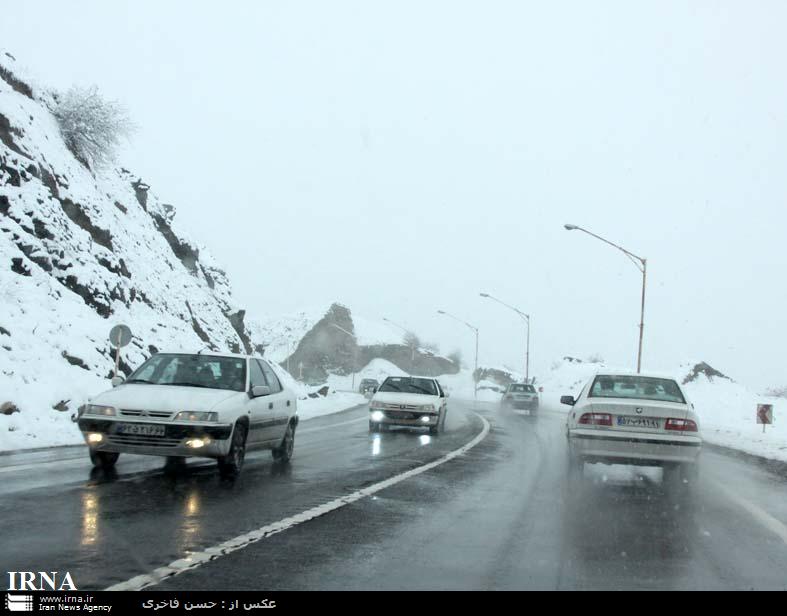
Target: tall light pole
(475, 329)
(642, 265)
(524, 317)
(356, 349)
(406, 331)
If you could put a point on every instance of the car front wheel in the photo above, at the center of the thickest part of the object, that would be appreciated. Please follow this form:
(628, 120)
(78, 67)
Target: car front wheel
(104, 459)
(435, 429)
(231, 465)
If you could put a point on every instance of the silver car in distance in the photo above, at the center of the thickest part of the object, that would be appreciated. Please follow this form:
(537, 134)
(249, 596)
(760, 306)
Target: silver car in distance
(181, 405)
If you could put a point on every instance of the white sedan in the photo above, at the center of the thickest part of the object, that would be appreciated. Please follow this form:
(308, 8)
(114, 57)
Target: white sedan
(180, 405)
(416, 401)
(645, 420)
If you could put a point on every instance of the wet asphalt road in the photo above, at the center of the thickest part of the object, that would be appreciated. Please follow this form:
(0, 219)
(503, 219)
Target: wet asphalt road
(502, 516)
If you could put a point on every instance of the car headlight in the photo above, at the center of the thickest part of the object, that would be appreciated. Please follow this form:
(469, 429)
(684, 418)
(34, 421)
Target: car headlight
(426, 407)
(98, 409)
(196, 416)
(377, 416)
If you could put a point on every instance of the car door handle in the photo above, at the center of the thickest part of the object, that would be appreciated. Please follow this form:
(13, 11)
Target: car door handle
(270, 405)
(288, 403)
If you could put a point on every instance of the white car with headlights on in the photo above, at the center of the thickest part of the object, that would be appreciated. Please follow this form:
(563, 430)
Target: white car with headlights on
(644, 420)
(415, 401)
(181, 405)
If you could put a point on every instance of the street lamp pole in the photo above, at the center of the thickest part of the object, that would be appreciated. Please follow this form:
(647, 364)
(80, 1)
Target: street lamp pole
(642, 265)
(475, 329)
(524, 317)
(356, 351)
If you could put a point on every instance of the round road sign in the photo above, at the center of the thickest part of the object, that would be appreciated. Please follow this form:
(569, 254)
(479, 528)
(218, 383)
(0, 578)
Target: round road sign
(120, 335)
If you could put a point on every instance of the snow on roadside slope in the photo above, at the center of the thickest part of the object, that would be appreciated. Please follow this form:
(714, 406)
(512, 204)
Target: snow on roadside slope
(79, 253)
(377, 369)
(334, 402)
(727, 412)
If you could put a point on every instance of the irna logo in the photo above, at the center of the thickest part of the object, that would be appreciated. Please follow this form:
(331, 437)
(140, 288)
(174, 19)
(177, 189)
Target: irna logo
(40, 580)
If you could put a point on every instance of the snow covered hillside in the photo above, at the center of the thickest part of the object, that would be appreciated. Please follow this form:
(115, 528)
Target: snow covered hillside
(80, 252)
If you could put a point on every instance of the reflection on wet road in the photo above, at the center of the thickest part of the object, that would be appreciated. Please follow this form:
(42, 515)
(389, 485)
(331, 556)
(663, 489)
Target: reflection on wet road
(502, 516)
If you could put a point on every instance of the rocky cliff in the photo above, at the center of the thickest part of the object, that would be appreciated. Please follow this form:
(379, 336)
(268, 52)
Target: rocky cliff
(80, 251)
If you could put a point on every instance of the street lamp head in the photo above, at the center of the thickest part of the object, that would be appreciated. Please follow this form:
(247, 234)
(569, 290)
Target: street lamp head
(570, 227)
(484, 294)
(441, 312)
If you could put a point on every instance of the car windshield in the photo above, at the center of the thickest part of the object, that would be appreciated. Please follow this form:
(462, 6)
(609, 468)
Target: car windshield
(409, 385)
(636, 387)
(522, 388)
(192, 371)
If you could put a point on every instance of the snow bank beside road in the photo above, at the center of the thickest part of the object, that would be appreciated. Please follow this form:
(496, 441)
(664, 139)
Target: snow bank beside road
(727, 413)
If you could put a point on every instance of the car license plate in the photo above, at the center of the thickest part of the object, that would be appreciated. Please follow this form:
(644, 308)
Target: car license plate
(639, 422)
(141, 429)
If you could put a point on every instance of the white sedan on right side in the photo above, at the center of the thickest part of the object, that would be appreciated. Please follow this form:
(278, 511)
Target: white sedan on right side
(644, 420)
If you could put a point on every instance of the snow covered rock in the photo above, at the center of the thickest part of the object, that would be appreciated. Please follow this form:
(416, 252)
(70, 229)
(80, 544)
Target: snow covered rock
(336, 342)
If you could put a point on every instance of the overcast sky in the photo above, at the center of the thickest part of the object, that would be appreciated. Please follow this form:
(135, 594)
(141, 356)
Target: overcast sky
(401, 157)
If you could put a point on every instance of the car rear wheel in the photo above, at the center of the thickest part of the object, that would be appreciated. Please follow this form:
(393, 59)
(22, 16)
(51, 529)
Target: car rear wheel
(576, 468)
(231, 465)
(283, 452)
(104, 459)
(681, 477)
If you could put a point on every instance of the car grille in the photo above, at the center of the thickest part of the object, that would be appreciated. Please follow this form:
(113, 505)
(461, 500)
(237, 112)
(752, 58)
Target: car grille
(138, 413)
(401, 415)
(410, 407)
(140, 440)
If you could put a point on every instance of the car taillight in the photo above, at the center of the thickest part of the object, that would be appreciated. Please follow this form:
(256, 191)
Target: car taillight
(596, 419)
(681, 425)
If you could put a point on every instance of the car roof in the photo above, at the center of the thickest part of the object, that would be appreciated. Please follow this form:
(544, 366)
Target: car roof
(209, 354)
(653, 375)
(411, 376)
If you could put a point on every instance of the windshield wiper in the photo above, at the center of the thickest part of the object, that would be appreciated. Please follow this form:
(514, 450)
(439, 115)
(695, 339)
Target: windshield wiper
(140, 381)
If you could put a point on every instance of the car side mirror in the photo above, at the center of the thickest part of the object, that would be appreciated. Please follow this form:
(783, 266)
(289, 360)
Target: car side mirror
(568, 400)
(260, 390)
(116, 380)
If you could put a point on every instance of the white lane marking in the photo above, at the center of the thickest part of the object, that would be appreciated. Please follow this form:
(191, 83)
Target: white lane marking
(762, 516)
(197, 559)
